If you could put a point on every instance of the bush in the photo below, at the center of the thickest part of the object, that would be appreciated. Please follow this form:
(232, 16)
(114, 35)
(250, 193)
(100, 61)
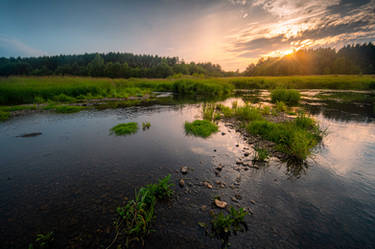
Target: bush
(288, 96)
(201, 128)
(125, 128)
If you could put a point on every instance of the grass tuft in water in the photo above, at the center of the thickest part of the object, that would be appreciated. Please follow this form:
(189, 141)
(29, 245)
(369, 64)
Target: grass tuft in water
(261, 155)
(4, 116)
(290, 97)
(295, 138)
(146, 125)
(125, 129)
(43, 241)
(225, 225)
(201, 128)
(135, 218)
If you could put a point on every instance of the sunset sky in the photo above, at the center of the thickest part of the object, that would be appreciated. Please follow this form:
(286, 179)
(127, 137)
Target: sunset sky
(232, 33)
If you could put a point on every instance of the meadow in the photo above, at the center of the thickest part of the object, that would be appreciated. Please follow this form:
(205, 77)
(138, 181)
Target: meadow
(27, 90)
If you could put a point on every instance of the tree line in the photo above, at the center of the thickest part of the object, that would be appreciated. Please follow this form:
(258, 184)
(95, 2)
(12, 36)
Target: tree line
(114, 65)
(351, 59)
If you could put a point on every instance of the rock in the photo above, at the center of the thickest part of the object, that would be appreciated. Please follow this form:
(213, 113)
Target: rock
(237, 145)
(246, 154)
(238, 196)
(203, 208)
(214, 150)
(252, 201)
(223, 133)
(219, 167)
(181, 183)
(207, 184)
(239, 162)
(217, 174)
(184, 170)
(220, 204)
(234, 199)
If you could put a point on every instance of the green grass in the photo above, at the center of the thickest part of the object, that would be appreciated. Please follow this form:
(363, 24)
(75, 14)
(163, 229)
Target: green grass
(135, 218)
(146, 125)
(347, 97)
(201, 128)
(247, 113)
(281, 106)
(4, 116)
(125, 129)
(25, 90)
(295, 138)
(208, 111)
(223, 226)
(261, 155)
(67, 108)
(43, 241)
(290, 97)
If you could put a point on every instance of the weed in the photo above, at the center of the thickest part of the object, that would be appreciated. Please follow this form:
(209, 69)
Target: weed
(288, 96)
(201, 128)
(135, 218)
(4, 116)
(146, 125)
(43, 241)
(260, 155)
(125, 129)
(225, 225)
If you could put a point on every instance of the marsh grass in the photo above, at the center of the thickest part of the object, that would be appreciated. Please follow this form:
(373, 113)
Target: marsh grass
(290, 97)
(201, 128)
(208, 111)
(4, 116)
(124, 129)
(67, 108)
(261, 155)
(135, 218)
(347, 97)
(223, 226)
(281, 106)
(146, 125)
(295, 138)
(43, 241)
(247, 113)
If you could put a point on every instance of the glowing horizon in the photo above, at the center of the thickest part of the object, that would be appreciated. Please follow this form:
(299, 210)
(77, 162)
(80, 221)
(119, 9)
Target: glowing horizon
(232, 33)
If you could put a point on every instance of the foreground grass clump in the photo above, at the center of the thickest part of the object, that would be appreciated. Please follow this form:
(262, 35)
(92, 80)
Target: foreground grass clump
(201, 128)
(125, 129)
(68, 108)
(261, 155)
(225, 225)
(288, 96)
(135, 218)
(294, 138)
(4, 116)
(43, 241)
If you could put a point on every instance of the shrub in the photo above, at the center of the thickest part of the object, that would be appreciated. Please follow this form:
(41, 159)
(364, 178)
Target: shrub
(201, 128)
(125, 128)
(288, 96)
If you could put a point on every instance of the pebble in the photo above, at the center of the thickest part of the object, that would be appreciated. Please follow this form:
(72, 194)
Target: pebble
(181, 183)
(220, 204)
(184, 170)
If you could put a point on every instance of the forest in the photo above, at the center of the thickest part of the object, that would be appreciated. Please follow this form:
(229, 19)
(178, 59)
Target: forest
(351, 59)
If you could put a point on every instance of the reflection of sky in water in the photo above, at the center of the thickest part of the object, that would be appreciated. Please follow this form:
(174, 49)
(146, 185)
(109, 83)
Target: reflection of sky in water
(349, 147)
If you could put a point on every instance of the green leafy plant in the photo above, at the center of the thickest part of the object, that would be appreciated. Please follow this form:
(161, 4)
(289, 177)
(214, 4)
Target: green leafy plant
(225, 225)
(146, 125)
(260, 155)
(43, 241)
(135, 218)
(125, 129)
(201, 128)
(288, 96)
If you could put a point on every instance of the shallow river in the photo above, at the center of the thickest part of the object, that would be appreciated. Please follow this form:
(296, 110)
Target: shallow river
(71, 178)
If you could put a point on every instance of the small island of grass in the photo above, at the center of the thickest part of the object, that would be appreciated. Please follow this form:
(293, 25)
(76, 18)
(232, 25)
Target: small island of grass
(201, 128)
(125, 129)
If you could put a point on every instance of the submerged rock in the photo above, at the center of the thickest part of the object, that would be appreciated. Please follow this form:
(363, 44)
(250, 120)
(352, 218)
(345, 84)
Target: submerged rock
(181, 183)
(33, 134)
(203, 208)
(220, 204)
(184, 170)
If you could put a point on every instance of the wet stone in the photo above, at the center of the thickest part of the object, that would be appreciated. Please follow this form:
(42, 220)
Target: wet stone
(184, 170)
(181, 183)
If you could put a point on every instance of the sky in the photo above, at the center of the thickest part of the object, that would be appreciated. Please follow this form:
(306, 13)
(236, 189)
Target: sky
(232, 33)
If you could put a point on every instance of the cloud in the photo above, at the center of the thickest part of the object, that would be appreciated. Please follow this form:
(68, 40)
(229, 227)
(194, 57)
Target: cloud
(10, 47)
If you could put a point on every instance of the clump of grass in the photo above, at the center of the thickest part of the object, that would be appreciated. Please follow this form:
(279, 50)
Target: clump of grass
(63, 98)
(225, 225)
(261, 155)
(43, 241)
(265, 110)
(247, 113)
(294, 138)
(135, 218)
(201, 128)
(288, 96)
(281, 106)
(234, 104)
(226, 111)
(4, 116)
(146, 125)
(68, 108)
(125, 128)
(208, 111)
(38, 100)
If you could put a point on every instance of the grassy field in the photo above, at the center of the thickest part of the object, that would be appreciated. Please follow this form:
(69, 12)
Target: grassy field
(26, 90)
